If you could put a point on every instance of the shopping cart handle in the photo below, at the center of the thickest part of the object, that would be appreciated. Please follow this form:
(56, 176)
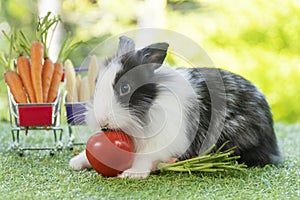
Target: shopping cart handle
(81, 69)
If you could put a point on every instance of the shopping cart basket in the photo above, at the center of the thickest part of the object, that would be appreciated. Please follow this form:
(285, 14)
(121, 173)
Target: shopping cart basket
(75, 114)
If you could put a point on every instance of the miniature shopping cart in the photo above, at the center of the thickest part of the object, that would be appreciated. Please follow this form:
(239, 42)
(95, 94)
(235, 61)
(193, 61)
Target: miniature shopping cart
(75, 114)
(33, 116)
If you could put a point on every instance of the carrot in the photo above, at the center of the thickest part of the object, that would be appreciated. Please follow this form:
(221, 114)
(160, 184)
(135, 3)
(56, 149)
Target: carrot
(36, 55)
(23, 66)
(47, 75)
(15, 85)
(57, 74)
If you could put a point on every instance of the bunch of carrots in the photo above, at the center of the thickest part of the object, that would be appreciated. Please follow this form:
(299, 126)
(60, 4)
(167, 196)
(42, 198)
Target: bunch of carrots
(37, 78)
(36, 81)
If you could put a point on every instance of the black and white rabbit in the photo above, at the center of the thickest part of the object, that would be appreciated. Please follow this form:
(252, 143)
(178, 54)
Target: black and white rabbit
(178, 112)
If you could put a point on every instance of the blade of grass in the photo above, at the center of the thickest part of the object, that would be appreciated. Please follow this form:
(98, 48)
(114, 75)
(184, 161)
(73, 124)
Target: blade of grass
(208, 150)
(221, 147)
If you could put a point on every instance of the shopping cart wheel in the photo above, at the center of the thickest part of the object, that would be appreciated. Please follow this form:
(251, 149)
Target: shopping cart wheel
(59, 146)
(70, 146)
(52, 153)
(20, 153)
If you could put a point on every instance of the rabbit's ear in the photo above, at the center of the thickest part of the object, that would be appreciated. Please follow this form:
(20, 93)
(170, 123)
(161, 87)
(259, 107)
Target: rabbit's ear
(126, 45)
(154, 53)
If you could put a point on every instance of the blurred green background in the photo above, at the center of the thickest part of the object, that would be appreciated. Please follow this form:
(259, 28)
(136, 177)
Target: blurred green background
(257, 39)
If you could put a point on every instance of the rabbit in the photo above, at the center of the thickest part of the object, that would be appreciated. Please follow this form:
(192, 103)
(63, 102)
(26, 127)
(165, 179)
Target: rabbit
(178, 112)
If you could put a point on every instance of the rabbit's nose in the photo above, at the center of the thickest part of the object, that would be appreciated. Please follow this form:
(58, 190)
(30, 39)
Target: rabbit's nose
(104, 124)
(105, 129)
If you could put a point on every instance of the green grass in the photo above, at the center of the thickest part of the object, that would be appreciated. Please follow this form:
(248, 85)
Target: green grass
(39, 176)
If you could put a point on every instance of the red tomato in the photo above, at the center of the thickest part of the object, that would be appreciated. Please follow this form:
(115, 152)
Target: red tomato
(110, 153)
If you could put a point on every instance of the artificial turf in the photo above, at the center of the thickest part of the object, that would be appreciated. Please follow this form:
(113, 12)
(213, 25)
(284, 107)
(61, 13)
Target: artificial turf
(37, 175)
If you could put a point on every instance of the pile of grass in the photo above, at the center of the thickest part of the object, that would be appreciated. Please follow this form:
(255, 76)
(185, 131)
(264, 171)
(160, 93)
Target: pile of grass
(218, 161)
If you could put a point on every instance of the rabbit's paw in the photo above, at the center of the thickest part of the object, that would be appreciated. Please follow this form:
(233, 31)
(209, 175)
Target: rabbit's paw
(135, 173)
(79, 162)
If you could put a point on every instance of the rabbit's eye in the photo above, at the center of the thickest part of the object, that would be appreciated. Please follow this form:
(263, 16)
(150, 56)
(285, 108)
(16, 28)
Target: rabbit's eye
(124, 89)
